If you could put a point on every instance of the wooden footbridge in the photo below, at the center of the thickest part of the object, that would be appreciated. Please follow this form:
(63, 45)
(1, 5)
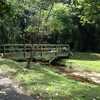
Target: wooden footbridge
(48, 52)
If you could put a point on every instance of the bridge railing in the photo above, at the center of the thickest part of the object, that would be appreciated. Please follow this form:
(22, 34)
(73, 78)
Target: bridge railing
(36, 50)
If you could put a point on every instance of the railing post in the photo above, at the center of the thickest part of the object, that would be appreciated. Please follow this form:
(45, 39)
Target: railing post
(41, 50)
(32, 51)
(24, 51)
(55, 50)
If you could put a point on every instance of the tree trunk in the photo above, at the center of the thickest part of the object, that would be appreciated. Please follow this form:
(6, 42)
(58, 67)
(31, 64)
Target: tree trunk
(30, 58)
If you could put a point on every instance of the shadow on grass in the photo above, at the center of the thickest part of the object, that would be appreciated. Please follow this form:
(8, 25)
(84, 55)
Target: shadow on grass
(90, 93)
(9, 93)
(10, 63)
(86, 56)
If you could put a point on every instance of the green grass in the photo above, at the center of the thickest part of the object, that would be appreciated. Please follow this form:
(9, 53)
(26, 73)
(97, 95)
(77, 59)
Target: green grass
(85, 61)
(43, 80)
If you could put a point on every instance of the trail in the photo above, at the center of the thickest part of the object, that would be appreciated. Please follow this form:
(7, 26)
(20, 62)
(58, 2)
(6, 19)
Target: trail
(83, 76)
(10, 90)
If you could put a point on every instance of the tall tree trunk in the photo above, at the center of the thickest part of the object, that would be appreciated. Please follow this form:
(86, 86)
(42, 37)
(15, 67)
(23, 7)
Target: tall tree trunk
(29, 60)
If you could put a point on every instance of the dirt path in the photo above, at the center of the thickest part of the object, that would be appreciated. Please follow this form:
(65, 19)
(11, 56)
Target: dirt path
(11, 91)
(83, 76)
(92, 77)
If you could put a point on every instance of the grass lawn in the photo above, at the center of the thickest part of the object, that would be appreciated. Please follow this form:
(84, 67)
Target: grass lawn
(85, 61)
(44, 81)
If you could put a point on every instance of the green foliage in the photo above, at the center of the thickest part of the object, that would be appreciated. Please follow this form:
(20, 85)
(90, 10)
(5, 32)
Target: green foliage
(60, 21)
(66, 21)
(89, 10)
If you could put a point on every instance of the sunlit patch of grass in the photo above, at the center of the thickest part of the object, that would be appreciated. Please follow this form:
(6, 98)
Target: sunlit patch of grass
(85, 61)
(86, 65)
(9, 66)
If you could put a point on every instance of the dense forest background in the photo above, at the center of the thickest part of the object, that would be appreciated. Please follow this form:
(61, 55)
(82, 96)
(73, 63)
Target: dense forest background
(76, 22)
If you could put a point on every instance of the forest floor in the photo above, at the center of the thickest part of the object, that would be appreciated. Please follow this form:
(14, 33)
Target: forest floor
(43, 82)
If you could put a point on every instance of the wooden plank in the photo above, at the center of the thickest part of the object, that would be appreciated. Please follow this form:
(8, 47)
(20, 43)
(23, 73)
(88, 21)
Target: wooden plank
(51, 45)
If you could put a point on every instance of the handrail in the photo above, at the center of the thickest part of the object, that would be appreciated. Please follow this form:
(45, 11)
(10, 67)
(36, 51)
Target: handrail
(34, 45)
